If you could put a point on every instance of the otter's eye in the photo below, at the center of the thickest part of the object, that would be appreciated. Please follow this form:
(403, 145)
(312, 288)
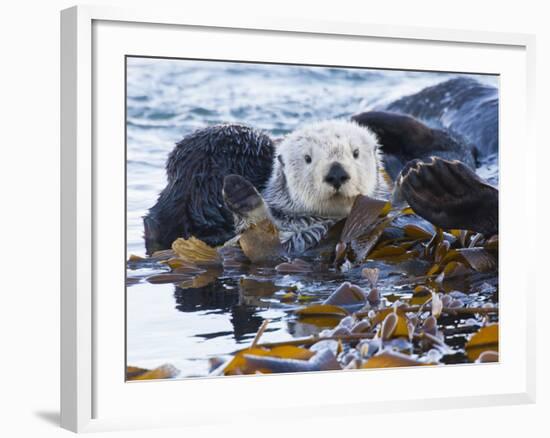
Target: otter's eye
(356, 153)
(307, 158)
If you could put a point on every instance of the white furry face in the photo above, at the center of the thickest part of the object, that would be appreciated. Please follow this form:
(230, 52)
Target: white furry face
(327, 164)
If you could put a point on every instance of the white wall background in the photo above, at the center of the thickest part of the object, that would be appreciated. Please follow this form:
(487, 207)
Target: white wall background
(29, 216)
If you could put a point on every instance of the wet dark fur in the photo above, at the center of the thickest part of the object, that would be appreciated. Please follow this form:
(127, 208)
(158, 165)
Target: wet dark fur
(404, 138)
(191, 204)
(461, 105)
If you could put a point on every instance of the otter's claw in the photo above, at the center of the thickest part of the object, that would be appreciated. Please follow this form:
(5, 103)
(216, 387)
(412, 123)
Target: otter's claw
(240, 195)
(450, 195)
(242, 198)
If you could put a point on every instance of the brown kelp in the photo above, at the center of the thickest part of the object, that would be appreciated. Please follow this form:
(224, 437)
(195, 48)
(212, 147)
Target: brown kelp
(399, 292)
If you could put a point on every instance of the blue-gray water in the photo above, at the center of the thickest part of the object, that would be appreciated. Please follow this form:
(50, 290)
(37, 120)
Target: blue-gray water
(168, 99)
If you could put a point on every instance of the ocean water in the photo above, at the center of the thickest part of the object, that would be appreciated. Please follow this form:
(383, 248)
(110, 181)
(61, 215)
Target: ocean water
(167, 99)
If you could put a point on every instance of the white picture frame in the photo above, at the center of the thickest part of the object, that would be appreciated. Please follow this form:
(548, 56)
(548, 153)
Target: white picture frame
(91, 393)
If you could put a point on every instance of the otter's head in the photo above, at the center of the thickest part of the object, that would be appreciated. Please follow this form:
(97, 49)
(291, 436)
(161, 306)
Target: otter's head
(326, 165)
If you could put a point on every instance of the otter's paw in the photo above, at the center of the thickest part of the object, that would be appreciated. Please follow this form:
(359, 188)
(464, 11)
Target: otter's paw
(450, 195)
(242, 198)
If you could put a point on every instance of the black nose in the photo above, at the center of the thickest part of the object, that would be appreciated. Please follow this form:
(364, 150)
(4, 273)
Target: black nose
(336, 176)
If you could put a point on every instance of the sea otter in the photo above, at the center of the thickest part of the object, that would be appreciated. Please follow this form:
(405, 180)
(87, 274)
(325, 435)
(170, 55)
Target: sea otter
(307, 181)
(434, 143)
(318, 172)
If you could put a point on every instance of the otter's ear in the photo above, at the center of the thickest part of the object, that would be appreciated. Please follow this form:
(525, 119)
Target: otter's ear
(280, 158)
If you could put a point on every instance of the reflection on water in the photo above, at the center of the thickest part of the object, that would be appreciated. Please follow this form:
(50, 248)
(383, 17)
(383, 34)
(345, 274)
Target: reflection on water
(216, 313)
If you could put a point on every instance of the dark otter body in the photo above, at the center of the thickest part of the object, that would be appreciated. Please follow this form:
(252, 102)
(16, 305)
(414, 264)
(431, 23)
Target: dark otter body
(462, 105)
(404, 138)
(192, 204)
(444, 190)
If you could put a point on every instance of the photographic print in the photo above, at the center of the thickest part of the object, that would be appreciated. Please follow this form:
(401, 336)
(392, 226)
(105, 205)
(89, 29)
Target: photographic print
(296, 218)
